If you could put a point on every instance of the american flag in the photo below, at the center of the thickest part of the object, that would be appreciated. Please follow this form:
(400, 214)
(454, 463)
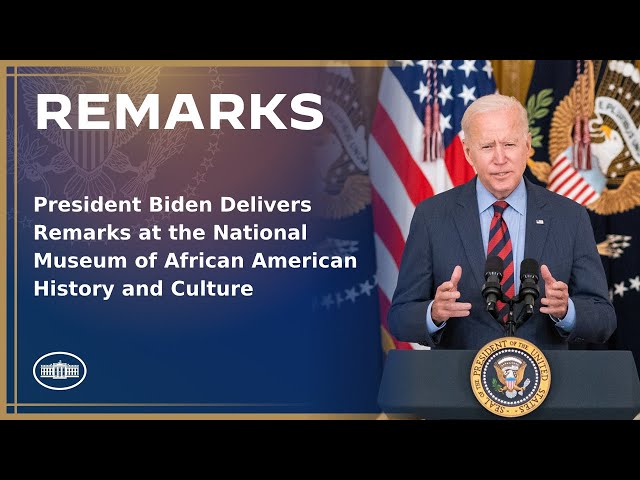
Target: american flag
(566, 180)
(400, 176)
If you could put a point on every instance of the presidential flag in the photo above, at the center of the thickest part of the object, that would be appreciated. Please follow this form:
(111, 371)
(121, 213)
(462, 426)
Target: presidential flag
(584, 118)
(415, 151)
(346, 378)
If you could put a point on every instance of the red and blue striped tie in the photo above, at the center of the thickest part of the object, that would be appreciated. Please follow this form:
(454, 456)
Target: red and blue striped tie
(500, 245)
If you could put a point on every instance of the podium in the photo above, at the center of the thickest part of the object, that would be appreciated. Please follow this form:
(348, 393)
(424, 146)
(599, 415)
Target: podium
(585, 385)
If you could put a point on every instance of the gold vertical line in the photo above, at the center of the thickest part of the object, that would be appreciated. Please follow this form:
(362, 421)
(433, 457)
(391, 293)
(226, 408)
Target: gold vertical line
(15, 238)
(3, 240)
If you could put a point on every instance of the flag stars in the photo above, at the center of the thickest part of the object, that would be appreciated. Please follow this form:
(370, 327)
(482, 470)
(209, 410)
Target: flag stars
(216, 83)
(327, 301)
(405, 63)
(213, 148)
(199, 178)
(488, 68)
(467, 94)
(207, 163)
(619, 289)
(446, 67)
(422, 91)
(635, 283)
(216, 134)
(336, 299)
(445, 123)
(26, 222)
(365, 288)
(351, 294)
(190, 191)
(445, 94)
(467, 67)
(425, 65)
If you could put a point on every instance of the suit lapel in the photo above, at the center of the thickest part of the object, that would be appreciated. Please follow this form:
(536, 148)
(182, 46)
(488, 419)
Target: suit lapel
(467, 220)
(538, 224)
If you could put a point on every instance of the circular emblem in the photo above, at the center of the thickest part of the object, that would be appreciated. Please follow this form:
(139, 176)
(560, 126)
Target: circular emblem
(59, 375)
(510, 377)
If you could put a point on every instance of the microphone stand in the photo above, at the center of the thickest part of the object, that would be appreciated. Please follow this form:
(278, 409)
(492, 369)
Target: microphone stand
(511, 325)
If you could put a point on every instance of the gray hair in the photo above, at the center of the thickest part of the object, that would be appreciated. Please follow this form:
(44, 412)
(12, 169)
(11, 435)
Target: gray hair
(493, 103)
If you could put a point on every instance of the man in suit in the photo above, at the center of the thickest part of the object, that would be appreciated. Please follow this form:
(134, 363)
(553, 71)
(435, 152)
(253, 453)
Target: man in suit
(438, 300)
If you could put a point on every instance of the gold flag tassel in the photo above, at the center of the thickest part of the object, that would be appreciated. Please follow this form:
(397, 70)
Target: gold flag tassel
(586, 135)
(427, 132)
(433, 144)
(436, 135)
(586, 144)
(577, 143)
(581, 135)
(428, 125)
(577, 126)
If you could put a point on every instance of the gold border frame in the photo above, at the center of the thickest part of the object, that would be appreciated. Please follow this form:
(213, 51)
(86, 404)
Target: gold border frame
(3, 245)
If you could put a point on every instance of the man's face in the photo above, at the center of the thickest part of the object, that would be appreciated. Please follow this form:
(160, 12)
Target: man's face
(498, 149)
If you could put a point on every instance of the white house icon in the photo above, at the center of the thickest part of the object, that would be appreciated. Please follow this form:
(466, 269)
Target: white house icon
(59, 370)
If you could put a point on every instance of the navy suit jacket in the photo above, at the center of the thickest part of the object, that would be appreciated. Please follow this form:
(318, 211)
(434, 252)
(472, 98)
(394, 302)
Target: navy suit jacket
(445, 232)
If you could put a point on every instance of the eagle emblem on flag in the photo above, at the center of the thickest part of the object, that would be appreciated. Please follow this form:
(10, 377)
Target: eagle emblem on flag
(341, 157)
(610, 183)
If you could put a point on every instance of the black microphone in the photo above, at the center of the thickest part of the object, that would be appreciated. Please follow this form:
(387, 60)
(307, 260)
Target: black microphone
(491, 290)
(529, 291)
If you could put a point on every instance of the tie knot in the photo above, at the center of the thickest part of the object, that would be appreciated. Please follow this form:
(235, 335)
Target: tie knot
(499, 206)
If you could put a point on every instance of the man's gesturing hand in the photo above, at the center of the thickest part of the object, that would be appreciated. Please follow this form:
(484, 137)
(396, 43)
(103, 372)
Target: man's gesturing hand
(445, 306)
(556, 301)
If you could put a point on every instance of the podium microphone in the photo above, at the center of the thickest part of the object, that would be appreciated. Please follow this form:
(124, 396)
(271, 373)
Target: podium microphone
(491, 290)
(529, 291)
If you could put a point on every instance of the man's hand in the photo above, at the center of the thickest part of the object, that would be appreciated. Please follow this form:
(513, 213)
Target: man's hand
(557, 295)
(445, 306)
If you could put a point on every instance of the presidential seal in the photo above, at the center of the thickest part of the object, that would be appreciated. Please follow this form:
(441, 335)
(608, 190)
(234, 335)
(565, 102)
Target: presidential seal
(510, 377)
